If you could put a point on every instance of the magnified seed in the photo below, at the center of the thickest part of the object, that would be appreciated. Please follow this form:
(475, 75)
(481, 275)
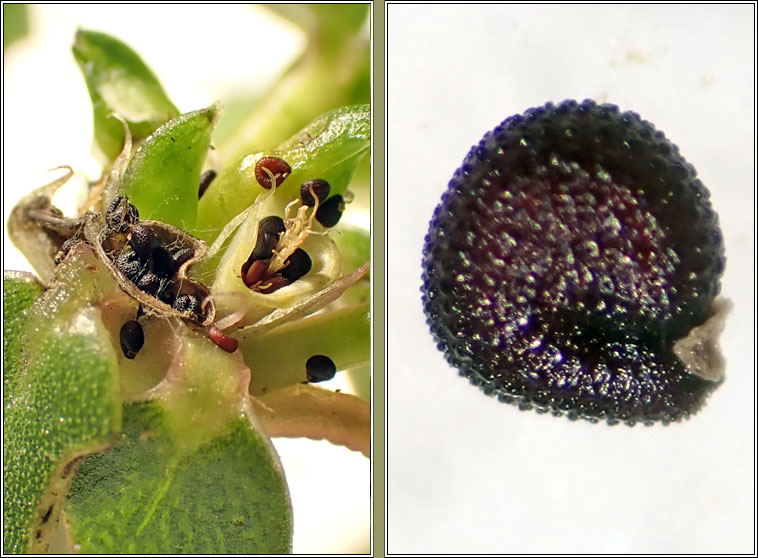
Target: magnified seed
(131, 266)
(121, 215)
(573, 248)
(162, 263)
(205, 180)
(330, 212)
(132, 338)
(319, 186)
(278, 167)
(320, 368)
(298, 264)
(269, 230)
(142, 240)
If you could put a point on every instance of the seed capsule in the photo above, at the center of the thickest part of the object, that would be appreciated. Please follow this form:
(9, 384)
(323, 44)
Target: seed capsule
(330, 212)
(320, 188)
(299, 263)
(142, 240)
(320, 368)
(132, 338)
(278, 167)
(121, 215)
(205, 180)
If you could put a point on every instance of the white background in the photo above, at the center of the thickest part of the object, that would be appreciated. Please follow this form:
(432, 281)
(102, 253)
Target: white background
(467, 474)
(200, 53)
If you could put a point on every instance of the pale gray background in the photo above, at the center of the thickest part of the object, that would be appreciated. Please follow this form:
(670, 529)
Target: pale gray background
(467, 474)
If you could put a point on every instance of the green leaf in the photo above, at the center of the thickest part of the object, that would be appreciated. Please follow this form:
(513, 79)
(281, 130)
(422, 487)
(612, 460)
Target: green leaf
(162, 176)
(15, 23)
(330, 147)
(62, 395)
(190, 474)
(119, 81)
(323, 19)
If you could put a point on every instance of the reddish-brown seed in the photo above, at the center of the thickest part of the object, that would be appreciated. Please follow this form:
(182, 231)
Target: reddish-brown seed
(273, 284)
(229, 344)
(255, 272)
(278, 167)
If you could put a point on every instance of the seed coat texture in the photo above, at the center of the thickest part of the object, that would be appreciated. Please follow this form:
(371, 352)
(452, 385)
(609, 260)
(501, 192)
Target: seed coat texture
(572, 249)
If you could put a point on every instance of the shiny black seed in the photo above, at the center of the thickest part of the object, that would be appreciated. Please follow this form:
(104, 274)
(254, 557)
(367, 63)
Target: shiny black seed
(205, 180)
(121, 215)
(132, 338)
(330, 211)
(149, 283)
(187, 303)
(142, 240)
(181, 256)
(298, 264)
(269, 230)
(131, 266)
(320, 368)
(319, 186)
(573, 248)
(162, 263)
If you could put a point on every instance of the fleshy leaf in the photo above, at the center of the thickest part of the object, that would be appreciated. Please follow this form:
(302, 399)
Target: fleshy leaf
(146, 495)
(278, 357)
(329, 148)
(193, 473)
(119, 81)
(162, 177)
(62, 397)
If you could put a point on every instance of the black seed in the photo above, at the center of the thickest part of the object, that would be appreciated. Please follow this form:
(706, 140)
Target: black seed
(269, 230)
(181, 256)
(162, 263)
(278, 167)
(558, 273)
(320, 188)
(142, 240)
(131, 266)
(121, 214)
(205, 180)
(149, 283)
(320, 368)
(67, 245)
(132, 338)
(187, 303)
(330, 211)
(298, 264)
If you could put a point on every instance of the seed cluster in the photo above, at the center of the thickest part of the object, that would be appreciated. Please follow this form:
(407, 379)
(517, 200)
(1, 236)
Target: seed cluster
(573, 248)
(148, 262)
(277, 259)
